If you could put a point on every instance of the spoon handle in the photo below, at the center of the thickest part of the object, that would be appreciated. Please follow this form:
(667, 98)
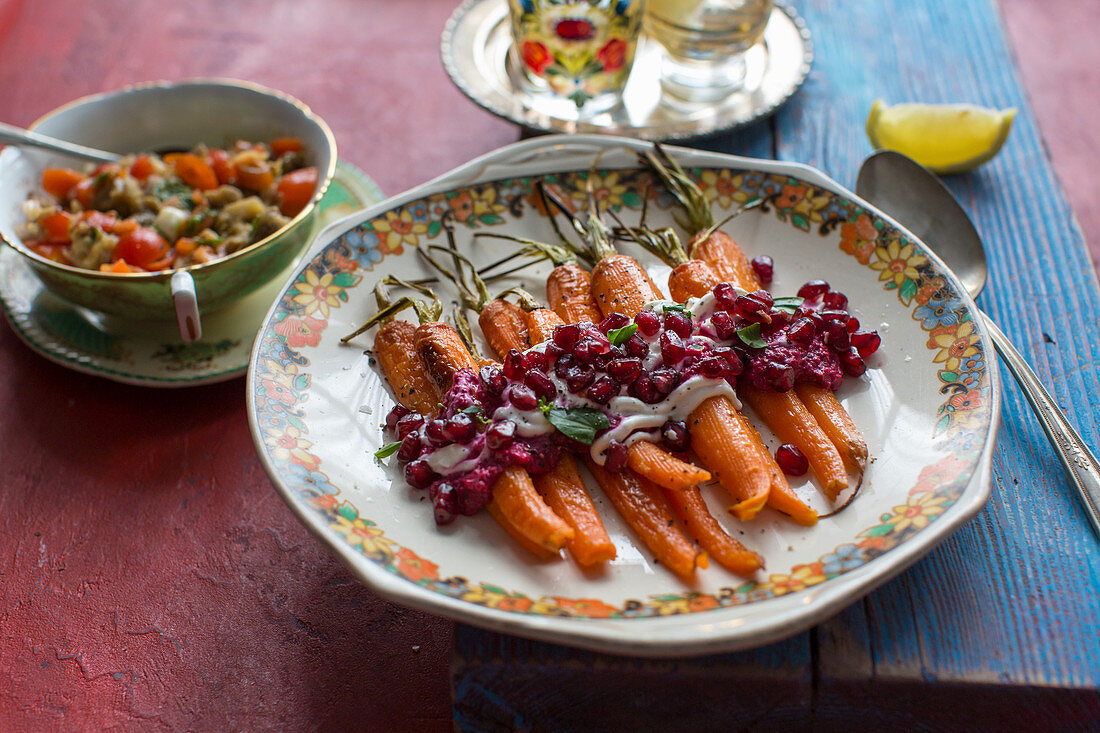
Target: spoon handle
(1080, 463)
(12, 135)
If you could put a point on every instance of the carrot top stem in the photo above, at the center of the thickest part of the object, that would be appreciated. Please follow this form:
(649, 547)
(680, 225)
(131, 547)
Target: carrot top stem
(525, 300)
(462, 326)
(425, 312)
(556, 254)
(663, 243)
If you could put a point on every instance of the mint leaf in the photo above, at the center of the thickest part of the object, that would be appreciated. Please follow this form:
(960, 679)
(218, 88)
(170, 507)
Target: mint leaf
(750, 335)
(387, 450)
(477, 412)
(579, 423)
(619, 336)
(789, 304)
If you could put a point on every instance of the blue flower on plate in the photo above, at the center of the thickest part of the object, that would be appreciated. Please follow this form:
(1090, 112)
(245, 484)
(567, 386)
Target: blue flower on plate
(310, 482)
(363, 248)
(418, 210)
(971, 370)
(846, 557)
(938, 312)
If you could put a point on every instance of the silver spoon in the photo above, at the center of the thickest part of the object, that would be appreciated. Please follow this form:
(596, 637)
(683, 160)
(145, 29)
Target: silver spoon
(903, 188)
(12, 135)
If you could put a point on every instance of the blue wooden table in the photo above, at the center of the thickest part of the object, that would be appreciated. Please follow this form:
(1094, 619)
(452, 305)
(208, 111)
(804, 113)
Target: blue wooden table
(996, 628)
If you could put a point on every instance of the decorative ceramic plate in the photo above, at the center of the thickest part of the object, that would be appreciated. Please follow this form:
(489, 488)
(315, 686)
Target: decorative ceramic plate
(153, 355)
(475, 48)
(928, 408)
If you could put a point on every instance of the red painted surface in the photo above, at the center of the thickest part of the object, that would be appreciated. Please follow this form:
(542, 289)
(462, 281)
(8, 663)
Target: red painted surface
(149, 574)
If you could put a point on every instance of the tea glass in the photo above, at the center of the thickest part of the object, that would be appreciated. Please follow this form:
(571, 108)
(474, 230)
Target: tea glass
(704, 44)
(573, 57)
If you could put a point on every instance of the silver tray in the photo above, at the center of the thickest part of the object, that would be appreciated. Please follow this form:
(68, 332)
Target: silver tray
(475, 47)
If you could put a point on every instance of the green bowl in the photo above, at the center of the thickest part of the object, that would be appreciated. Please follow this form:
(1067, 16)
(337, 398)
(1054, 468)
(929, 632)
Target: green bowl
(158, 116)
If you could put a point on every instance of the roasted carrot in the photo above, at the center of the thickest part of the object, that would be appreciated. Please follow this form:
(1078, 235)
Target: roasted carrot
(691, 279)
(541, 323)
(515, 497)
(689, 506)
(442, 352)
(792, 423)
(517, 534)
(837, 424)
(621, 285)
(642, 505)
(569, 293)
(395, 349)
(504, 325)
(663, 468)
(781, 496)
(729, 262)
(564, 491)
(722, 438)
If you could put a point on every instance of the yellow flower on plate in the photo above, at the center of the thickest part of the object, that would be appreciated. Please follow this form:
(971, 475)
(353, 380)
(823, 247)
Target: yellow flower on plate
(367, 537)
(608, 190)
(917, 512)
(397, 229)
(287, 444)
(317, 293)
(955, 343)
(722, 187)
(800, 578)
(896, 262)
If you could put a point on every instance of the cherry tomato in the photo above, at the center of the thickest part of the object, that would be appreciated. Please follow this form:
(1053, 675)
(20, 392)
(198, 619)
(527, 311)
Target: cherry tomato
(141, 247)
(296, 189)
(223, 169)
(194, 171)
(59, 182)
(285, 145)
(84, 191)
(56, 226)
(142, 167)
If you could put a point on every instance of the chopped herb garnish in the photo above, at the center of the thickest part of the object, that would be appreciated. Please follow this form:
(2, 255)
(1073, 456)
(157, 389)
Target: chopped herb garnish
(579, 423)
(478, 412)
(750, 335)
(619, 336)
(789, 303)
(387, 450)
(675, 308)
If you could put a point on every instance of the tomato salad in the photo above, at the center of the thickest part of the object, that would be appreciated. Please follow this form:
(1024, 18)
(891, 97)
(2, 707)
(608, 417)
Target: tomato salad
(152, 212)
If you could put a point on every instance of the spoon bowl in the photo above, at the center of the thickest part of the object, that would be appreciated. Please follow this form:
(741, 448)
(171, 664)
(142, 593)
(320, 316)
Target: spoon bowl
(915, 197)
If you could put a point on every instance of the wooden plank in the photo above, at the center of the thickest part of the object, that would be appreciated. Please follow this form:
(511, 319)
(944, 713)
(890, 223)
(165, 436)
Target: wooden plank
(1001, 601)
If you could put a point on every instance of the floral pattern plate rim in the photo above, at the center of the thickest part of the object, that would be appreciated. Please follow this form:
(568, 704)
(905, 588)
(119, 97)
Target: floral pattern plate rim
(477, 38)
(929, 408)
(152, 356)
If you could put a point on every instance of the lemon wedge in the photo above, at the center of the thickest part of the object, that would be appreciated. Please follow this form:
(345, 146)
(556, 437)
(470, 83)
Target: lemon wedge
(945, 138)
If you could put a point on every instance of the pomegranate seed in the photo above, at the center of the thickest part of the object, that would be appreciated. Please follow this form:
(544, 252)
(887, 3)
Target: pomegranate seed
(408, 424)
(801, 332)
(679, 324)
(753, 306)
(866, 342)
(590, 347)
(535, 360)
(419, 475)
(648, 322)
(834, 316)
(852, 325)
(733, 361)
(513, 365)
(724, 325)
(460, 429)
(613, 321)
(714, 367)
(434, 432)
(836, 335)
(553, 351)
(724, 296)
(813, 290)
(602, 390)
(542, 385)
(675, 435)
(445, 504)
(791, 460)
(835, 300)
(617, 453)
(522, 397)
(566, 335)
(410, 449)
(764, 267)
(852, 363)
(625, 371)
(398, 412)
(637, 347)
(672, 348)
(780, 376)
(643, 389)
(665, 380)
(492, 380)
(564, 363)
(577, 379)
(500, 435)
